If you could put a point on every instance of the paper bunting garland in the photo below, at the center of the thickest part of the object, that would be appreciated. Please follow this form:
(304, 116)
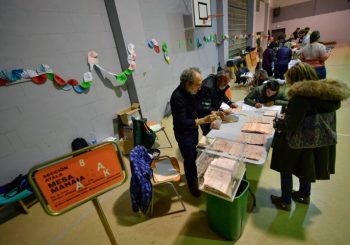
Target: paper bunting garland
(121, 77)
(44, 73)
(40, 76)
(153, 44)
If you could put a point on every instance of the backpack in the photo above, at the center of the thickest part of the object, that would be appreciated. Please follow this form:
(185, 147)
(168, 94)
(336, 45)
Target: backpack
(79, 143)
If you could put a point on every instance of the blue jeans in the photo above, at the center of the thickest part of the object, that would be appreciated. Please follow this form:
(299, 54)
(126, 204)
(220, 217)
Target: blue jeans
(321, 72)
(187, 145)
(287, 186)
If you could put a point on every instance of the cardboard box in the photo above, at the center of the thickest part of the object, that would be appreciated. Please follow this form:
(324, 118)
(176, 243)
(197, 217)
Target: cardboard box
(126, 114)
(126, 146)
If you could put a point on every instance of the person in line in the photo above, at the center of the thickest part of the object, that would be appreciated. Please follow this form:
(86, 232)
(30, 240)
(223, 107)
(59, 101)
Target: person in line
(315, 54)
(306, 37)
(184, 108)
(295, 33)
(268, 58)
(283, 57)
(307, 96)
(212, 95)
(267, 94)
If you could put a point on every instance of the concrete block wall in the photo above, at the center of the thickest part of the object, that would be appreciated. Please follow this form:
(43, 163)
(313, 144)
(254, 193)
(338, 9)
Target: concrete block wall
(39, 122)
(163, 19)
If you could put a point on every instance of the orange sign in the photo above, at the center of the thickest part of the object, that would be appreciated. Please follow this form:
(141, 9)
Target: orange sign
(80, 177)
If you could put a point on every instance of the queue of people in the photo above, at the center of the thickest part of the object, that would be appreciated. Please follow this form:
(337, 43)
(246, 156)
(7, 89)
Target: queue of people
(303, 45)
(197, 103)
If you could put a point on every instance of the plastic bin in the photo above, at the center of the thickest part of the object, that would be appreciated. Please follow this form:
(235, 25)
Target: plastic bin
(228, 218)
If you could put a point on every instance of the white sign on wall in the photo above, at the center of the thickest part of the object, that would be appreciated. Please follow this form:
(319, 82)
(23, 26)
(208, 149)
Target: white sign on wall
(202, 12)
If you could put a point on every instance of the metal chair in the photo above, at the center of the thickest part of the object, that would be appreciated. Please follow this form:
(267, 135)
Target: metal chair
(166, 170)
(158, 127)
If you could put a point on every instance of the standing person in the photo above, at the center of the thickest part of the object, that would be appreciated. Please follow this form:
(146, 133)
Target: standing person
(308, 97)
(295, 33)
(184, 109)
(268, 58)
(306, 38)
(267, 94)
(212, 95)
(283, 57)
(315, 54)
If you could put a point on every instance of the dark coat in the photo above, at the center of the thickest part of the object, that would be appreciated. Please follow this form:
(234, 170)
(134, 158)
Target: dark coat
(304, 97)
(210, 97)
(184, 109)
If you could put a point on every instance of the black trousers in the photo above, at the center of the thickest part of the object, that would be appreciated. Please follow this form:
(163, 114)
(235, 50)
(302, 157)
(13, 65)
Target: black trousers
(205, 128)
(187, 145)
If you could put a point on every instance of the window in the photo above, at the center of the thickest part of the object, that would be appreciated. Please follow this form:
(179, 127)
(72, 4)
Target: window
(237, 25)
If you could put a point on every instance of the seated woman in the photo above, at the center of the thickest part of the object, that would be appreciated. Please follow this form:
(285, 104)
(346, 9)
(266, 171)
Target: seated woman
(267, 94)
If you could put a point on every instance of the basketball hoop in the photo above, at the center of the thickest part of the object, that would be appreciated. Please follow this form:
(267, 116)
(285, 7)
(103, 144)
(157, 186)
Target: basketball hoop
(211, 17)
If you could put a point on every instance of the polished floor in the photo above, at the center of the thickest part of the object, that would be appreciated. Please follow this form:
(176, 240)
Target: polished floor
(325, 221)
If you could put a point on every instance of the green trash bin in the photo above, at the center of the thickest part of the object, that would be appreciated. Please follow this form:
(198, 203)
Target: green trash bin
(228, 218)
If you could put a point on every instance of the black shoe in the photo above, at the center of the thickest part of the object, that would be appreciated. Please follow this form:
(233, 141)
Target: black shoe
(280, 204)
(194, 191)
(298, 197)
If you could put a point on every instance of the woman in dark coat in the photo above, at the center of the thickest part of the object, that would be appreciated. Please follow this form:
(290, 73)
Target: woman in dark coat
(309, 164)
(283, 57)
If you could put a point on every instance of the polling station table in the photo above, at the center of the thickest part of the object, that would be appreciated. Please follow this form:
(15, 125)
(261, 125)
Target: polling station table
(227, 203)
(232, 131)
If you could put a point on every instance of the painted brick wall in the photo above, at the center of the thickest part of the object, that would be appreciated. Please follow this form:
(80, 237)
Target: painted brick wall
(38, 122)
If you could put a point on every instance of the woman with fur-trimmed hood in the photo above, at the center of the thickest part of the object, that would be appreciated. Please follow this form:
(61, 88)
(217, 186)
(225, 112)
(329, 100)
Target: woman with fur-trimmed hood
(307, 96)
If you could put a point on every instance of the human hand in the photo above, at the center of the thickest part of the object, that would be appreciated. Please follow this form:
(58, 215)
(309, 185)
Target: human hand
(270, 103)
(208, 119)
(227, 111)
(258, 105)
(233, 105)
(221, 114)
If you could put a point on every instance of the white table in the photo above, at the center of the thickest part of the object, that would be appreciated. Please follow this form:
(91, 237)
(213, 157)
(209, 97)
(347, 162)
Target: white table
(231, 131)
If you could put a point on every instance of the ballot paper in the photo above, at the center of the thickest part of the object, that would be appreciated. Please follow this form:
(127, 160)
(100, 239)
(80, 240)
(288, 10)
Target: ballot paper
(253, 152)
(252, 139)
(225, 163)
(218, 180)
(246, 107)
(270, 113)
(257, 128)
(260, 119)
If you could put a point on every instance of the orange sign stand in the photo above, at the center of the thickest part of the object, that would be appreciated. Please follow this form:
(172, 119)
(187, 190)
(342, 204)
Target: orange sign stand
(64, 183)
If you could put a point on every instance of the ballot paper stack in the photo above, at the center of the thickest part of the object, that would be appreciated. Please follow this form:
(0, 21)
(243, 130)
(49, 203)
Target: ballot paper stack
(219, 174)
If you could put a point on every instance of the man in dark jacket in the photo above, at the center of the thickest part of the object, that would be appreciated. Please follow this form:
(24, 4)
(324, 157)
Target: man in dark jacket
(212, 95)
(267, 94)
(184, 108)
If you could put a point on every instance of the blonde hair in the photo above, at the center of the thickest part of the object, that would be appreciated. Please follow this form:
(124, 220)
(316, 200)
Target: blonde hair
(301, 72)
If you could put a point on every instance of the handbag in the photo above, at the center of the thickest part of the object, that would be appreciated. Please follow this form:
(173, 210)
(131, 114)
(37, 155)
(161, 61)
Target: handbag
(143, 135)
(316, 130)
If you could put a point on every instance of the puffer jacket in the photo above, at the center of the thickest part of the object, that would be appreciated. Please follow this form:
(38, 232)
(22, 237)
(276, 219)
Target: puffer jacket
(309, 164)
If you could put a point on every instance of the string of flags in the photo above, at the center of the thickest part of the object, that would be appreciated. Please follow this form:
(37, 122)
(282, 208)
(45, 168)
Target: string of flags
(41, 75)
(121, 77)
(198, 42)
(44, 73)
(153, 44)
